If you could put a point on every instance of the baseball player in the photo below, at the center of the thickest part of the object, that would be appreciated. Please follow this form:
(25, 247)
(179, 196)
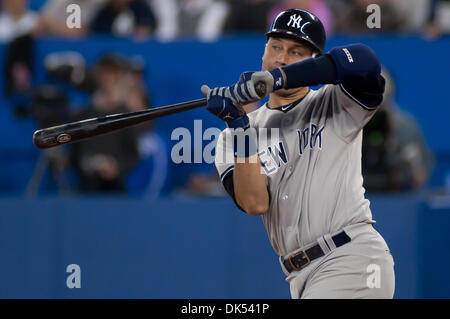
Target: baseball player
(296, 161)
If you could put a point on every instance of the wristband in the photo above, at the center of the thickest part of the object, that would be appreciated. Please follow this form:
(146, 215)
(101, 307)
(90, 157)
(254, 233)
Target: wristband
(241, 122)
(278, 78)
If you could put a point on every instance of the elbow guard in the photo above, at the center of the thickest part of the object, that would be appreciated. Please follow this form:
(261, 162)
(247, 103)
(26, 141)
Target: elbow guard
(355, 61)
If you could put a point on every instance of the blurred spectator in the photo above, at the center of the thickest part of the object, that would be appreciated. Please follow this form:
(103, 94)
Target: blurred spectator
(125, 18)
(319, 8)
(166, 12)
(414, 14)
(19, 66)
(395, 156)
(137, 93)
(352, 15)
(438, 21)
(248, 15)
(103, 162)
(15, 19)
(204, 19)
(70, 67)
(150, 175)
(53, 17)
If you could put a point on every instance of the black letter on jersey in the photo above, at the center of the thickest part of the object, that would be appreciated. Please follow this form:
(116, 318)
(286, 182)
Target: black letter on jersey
(318, 136)
(280, 154)
(303, 138)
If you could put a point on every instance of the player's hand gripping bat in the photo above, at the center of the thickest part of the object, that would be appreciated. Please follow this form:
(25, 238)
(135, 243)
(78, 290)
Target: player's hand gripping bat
(76, 131)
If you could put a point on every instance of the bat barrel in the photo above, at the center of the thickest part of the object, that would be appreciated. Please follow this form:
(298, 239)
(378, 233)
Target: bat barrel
(66, 133)
(76, 131)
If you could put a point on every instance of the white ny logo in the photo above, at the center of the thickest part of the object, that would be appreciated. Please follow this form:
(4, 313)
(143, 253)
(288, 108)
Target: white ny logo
(295, 21)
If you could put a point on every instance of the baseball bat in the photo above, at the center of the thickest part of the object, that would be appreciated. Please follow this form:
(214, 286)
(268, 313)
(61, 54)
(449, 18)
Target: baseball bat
(76, 131)
(79, 130)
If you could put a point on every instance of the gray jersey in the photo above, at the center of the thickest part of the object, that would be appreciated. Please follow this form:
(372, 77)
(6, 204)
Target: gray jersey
(314, 168)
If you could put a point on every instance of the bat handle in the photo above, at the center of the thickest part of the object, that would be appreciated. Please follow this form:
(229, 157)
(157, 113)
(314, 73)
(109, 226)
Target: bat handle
(260, 88)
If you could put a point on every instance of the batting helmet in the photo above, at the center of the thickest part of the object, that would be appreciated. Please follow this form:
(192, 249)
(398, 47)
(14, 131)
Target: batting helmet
(299, 25)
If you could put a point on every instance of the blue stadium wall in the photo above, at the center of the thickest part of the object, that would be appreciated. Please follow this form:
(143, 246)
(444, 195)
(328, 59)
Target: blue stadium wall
(190, 248)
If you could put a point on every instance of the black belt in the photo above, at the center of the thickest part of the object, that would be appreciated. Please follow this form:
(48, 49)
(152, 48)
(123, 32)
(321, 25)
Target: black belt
(303, 258)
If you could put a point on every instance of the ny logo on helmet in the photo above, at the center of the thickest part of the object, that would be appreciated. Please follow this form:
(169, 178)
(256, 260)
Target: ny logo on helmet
(295, 21)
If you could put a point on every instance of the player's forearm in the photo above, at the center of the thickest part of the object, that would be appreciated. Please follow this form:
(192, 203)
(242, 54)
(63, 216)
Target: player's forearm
(250, 186)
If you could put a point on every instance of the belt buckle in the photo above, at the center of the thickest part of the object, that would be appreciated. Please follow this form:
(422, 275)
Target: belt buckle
(303, 256)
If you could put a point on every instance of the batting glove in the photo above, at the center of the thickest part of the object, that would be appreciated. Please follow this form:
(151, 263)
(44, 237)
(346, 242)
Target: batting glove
(244, 91)
(222, 105)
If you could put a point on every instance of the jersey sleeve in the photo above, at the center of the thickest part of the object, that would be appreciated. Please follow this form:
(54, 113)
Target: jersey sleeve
(353, 107)
(224, 159)
(224, 162)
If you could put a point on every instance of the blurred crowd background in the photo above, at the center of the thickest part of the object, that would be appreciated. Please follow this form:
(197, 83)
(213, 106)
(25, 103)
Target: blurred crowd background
(396, 156)
(208, 19)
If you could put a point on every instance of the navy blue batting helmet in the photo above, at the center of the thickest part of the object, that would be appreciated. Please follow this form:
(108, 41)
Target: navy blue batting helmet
(299, 25)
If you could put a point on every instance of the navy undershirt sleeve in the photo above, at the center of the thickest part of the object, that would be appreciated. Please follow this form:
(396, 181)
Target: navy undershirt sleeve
(229, 187)
(311, 72)
(355, 67)
(228, 184)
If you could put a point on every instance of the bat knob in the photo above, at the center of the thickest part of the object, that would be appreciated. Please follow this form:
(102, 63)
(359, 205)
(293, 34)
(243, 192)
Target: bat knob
(260, 88)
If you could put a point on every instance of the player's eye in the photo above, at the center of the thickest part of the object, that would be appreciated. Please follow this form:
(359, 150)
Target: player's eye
(276, 47)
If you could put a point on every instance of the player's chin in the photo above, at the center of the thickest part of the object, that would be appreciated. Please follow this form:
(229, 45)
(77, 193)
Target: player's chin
(287, 93)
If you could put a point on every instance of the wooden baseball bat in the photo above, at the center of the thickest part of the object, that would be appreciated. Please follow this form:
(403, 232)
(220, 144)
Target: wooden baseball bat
(76, 131)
